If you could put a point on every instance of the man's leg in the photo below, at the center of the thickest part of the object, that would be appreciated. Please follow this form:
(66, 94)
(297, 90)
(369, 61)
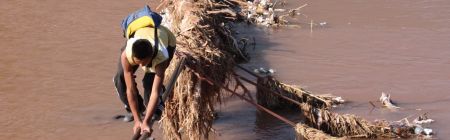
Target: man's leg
(147, 83)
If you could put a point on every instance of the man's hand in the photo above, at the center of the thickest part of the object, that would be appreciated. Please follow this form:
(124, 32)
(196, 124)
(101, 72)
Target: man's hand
(137, 127)
(145, 128)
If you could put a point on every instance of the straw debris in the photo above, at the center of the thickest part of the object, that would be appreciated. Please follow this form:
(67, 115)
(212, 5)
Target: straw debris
(205, 40)
(311, 133)
(329, 125)
(269, 100)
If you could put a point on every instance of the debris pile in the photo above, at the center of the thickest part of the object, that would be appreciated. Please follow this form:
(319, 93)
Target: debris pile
(206, 43)
(262, 12)
(265, 12)
(330, 125)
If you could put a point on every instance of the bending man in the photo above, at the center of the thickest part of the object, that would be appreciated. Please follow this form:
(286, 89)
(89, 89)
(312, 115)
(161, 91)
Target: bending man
(140, 51)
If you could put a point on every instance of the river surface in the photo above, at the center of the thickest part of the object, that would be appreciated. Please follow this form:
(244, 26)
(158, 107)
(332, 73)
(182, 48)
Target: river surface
(58, 59)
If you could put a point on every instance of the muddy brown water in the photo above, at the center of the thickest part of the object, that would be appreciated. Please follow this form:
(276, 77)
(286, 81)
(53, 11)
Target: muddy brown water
(58, 58)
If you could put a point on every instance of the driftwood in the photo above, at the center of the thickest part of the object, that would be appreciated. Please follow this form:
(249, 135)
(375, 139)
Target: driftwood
(317, 115)
(268, 99)
(335, 124)
(311, 133)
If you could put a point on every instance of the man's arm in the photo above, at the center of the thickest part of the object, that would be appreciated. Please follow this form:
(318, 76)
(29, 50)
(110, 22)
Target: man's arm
(131, 91)
(156, 87)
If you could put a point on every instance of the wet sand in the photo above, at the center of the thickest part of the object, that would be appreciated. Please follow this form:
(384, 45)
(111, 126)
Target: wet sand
(58, 59)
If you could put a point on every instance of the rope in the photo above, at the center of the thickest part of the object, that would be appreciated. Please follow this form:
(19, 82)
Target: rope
(212, 82)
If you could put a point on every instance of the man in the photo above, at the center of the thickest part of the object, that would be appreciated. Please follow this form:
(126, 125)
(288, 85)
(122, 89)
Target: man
(140, 51)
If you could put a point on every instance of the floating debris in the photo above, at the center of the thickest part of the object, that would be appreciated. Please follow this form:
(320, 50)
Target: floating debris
(336, 100)
(263, 12)
(403, 128)
(385, 99)
(427, 131)
(339, 100)
(323, 24)
(419, 130)
(423, 119)
(264, 71)
(322, 123)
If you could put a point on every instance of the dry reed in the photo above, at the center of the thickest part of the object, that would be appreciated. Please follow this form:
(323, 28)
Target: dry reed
(205, 40)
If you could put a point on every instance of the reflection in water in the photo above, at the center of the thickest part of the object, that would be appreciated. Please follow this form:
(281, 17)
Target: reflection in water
(269, 127)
